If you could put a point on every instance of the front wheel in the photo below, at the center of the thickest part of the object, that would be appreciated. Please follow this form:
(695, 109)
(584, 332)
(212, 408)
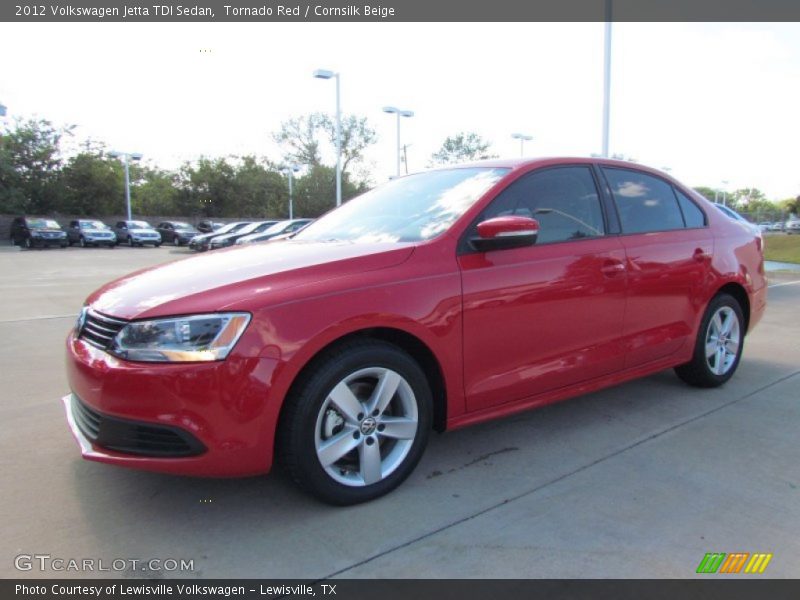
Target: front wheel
(719, 344)
(176, 241)
(357, 424)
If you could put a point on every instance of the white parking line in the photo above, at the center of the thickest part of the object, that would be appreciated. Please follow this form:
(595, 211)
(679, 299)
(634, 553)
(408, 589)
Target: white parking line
(774, 285)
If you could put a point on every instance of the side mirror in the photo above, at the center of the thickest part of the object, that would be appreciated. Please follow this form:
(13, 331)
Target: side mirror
(501, 233)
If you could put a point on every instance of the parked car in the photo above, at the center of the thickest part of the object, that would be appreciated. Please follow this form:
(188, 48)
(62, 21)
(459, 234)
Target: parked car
(279, 229)
(776, 226)
(35, 231)
(208, 226)
(136, 233)
(229, 239)
(176, 233)
(732, 214)
(90, 232)
(435, 301)
(201, 242)
(765, 226)
(792, 226)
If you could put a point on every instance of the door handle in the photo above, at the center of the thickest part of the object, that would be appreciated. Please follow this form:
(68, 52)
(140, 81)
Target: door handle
(612, 268)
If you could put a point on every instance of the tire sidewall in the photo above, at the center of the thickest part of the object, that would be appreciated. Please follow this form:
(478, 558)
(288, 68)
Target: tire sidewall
(722, 300)
(312, 396)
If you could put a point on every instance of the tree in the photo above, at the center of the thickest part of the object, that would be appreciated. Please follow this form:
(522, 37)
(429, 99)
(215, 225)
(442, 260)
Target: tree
(155, 192)
(302, 139)
(315, 192)
(30, 160)
(260, 192)
(92, 185)
(462, 147)
(709, 193)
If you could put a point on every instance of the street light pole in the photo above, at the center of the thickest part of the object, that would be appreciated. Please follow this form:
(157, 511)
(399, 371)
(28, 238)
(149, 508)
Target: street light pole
(126, 157)
(607, 80)
(522, 139)
(325, 74)
(399, 113)
(291, 169)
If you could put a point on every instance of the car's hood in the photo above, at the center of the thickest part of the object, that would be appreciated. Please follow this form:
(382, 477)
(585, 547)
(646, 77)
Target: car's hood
(142, 231)
(211, 282)
(96, 231)
(47, 230)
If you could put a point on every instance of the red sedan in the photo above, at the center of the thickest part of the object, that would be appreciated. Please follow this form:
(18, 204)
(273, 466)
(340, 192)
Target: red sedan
(435, 301)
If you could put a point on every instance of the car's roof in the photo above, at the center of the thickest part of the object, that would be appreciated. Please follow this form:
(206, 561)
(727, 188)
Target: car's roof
(525, 163)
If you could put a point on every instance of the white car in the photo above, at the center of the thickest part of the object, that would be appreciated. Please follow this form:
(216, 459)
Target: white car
(792, 226)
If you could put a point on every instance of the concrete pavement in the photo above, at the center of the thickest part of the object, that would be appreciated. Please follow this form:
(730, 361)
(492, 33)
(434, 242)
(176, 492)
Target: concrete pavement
(635, 481)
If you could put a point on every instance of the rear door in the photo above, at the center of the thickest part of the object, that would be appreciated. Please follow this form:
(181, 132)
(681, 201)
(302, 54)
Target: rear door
(549, 315)
(668, 249)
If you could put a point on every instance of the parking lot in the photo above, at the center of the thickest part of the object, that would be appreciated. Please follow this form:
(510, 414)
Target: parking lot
(636, 481)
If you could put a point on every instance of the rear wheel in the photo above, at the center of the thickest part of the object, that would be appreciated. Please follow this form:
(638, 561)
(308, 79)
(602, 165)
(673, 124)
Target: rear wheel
(719, 344)
(176, 241)
(357, 424)
(28, 243)
(82, 242)
(130, 242)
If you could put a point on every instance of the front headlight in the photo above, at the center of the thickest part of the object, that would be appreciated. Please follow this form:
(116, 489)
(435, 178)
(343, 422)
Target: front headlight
(181, 339)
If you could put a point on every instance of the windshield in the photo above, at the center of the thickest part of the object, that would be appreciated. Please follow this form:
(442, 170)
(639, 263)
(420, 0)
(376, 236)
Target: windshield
(180, 225)
(276, 228)
(93, 225)
(250, 228)
(230, 228)
(139, 225)
(409, 209)
(42, 224)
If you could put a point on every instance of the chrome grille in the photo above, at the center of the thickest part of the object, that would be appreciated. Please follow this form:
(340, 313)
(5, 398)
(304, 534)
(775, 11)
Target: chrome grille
(99, 330)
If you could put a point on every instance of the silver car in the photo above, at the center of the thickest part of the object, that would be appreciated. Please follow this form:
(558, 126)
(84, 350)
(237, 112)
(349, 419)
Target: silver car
(136, 233)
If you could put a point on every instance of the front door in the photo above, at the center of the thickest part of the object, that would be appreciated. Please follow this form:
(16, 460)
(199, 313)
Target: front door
(550, 315)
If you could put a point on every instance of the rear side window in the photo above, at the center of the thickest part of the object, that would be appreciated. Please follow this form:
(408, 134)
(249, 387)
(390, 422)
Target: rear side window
(564, 200)
(693, 216)
(644, 203)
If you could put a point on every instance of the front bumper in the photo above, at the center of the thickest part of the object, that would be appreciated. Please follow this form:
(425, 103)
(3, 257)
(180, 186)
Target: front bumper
(39, 241)
(222, 406)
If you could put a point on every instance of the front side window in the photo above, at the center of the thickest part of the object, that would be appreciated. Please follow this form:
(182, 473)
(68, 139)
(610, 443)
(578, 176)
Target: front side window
(563, 200)
(414, 208)
(644, 203)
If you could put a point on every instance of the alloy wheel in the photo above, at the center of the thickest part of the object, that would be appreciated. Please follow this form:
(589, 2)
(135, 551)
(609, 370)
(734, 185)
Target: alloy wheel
(722, 340)
(366, 426)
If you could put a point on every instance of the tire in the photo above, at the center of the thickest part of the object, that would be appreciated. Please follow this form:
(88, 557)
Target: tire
(176, 241)
(716, 358)
(157, 245)
(28, 243)
(332, 401)
(82, 242)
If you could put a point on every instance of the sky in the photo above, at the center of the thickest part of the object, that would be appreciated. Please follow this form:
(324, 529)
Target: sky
(713, 103)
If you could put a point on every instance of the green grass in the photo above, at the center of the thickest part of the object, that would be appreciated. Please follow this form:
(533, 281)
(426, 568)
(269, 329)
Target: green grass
(783, 248)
